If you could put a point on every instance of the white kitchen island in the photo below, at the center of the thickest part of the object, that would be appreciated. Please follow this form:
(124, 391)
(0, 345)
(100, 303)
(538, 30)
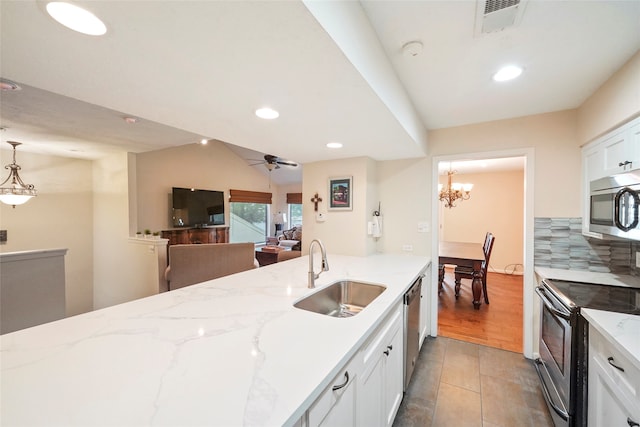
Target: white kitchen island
(228, 352)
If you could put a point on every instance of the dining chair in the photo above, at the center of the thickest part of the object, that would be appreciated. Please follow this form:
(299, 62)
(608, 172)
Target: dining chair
(467, 273)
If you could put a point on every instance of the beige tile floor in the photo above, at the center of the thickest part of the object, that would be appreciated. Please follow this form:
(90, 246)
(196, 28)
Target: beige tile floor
(464, 384)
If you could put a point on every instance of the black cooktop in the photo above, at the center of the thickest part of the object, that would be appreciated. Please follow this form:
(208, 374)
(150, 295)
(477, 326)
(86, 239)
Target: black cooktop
(600, 297)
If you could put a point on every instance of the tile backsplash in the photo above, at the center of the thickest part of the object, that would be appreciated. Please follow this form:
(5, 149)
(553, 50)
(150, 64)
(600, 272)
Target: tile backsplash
(559, 243)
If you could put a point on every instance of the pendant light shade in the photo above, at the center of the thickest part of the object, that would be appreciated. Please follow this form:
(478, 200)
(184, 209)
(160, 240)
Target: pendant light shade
(12, 190)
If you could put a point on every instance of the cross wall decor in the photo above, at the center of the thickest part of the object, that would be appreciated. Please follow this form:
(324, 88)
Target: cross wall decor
(315, 200)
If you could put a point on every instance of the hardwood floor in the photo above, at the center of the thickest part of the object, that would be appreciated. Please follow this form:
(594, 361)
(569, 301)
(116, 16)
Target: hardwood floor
(498, 324)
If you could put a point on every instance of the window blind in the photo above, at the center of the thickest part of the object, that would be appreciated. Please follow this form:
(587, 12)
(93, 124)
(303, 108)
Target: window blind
(294, 198)
(242, 196)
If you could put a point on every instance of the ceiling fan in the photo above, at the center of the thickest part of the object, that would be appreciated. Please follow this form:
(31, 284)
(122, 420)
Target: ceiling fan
(272, 162)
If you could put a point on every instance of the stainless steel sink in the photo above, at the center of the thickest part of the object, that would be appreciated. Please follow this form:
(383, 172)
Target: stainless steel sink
(345, 298)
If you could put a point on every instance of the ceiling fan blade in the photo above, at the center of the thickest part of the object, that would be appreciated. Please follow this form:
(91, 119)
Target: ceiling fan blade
(286, 162)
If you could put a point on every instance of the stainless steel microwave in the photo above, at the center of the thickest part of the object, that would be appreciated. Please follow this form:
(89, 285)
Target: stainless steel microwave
(615, 205)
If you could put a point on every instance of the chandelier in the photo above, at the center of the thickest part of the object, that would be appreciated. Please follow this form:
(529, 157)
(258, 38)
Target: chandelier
(453, 192)
(12, 190)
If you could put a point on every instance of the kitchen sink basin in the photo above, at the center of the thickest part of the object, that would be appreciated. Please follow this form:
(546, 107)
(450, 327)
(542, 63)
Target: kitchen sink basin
(345, 298)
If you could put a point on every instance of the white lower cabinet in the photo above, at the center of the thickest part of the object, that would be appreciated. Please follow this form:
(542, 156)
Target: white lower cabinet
(336, 406)
(368, 391)
(380, 388)
(613, 386)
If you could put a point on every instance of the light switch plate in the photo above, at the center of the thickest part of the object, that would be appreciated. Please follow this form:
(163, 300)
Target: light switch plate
(638, 259)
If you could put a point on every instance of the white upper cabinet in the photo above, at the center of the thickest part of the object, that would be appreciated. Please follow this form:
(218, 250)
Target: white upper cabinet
(616, 152)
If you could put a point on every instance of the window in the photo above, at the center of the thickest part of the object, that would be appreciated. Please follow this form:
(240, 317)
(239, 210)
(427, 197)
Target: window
(295, 215)
(294, 201)
(249, 213)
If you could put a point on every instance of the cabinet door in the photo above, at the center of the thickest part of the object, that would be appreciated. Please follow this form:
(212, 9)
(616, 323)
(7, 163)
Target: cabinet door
(370, 395)
(199, 236)
(633, 136)
(615, 152)
(393, 377)
(607, 406)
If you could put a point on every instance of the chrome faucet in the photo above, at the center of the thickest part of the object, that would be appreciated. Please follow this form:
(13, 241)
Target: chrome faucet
(325, 264)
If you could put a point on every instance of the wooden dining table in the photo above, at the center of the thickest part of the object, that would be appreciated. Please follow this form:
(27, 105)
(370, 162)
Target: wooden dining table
(466, 255)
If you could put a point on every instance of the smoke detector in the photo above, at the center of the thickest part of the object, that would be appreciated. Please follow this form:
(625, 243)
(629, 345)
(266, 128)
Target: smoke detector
(412, 49)
(498, 15)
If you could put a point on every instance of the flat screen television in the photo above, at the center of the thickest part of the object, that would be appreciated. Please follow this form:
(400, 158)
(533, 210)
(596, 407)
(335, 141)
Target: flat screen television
(197, 208)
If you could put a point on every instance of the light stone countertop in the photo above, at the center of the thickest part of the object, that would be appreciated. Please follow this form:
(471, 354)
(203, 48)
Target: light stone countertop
(228, 352)
(621, 330)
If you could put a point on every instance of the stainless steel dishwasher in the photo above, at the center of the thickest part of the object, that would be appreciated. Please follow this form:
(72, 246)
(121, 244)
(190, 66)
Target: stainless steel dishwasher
(411, 328)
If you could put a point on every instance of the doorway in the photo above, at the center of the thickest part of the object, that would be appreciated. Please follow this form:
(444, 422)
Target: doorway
(499, 202)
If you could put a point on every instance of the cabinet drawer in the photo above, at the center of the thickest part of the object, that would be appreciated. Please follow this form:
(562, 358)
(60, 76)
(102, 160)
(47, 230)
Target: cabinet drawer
(616, 366)
(381, 338)
(329, 397)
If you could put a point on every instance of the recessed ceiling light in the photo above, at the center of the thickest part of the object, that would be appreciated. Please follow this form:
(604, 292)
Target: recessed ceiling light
(204, 141)
(509, 72)
(130, 120)
(334, 145)
(267, 113)
(76, 18)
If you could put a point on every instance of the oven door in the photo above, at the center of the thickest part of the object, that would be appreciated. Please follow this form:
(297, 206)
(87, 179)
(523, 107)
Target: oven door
(554, 364)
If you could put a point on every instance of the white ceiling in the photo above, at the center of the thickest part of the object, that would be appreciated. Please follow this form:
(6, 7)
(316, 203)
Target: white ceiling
(199, 69)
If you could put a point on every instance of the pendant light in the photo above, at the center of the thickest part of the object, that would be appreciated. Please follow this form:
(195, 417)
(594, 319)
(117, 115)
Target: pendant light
(12, 190)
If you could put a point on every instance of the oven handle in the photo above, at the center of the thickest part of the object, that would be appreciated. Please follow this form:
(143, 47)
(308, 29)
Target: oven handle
(547, 396)
(542, 294)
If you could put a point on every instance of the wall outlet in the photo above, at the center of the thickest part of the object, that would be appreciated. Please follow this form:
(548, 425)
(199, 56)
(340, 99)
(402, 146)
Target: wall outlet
(638, 259)
(407, 248)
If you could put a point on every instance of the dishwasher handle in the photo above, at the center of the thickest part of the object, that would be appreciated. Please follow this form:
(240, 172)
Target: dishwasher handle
(413, 292)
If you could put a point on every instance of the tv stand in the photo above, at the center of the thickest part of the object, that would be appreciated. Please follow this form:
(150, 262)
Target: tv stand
(185, 236)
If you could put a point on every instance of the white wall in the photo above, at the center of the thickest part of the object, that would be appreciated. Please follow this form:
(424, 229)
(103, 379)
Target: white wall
(207, 167)
(61, 216)
(615, 102)
(405, 187)
(496, 205)
(557, 154)
(342, 232)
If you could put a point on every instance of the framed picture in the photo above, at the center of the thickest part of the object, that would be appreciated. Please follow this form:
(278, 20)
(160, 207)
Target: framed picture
(340, 193)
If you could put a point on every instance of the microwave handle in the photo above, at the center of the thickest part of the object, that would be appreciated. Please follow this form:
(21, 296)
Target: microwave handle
(616, 204)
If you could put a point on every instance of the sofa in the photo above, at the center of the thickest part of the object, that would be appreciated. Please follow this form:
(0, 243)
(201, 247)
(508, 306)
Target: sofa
(191, 264)
(291, 238)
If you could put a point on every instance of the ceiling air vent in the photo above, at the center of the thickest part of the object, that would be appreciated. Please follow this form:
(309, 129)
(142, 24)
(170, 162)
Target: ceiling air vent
(491, 6)
(497, 15)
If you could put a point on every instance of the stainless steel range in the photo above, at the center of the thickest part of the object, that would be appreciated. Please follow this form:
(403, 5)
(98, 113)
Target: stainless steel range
(564, 334)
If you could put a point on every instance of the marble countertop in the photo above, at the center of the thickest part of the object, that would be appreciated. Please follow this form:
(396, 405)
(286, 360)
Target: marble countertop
(622, 330)
(228, 352)
(588, 277)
